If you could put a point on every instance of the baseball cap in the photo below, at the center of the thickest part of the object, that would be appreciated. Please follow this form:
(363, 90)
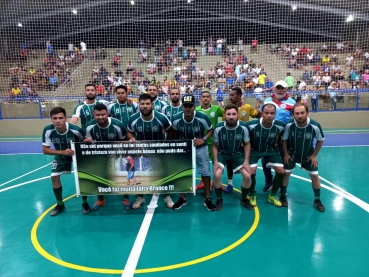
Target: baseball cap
(258, 90)
(188, 99)
(281, 83)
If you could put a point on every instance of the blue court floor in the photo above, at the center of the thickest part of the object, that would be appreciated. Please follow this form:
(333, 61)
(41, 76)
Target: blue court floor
(293, 241)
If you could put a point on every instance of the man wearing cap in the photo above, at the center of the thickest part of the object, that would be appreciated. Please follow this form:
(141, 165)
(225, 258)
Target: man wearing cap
(284, 104)
(191, 124)
(259, 97)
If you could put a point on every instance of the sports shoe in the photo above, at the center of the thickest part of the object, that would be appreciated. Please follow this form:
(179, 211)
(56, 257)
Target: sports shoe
(209, 204)
(219, 204)
(86, 208)
(180, 202)
(252, 200)
(200, 186)
(318, 205)
(268, 187)
(272, 199)
(127, 204)
(98, 204)
(246, 203)
(283, 200)
(169, 202)
(228, 189)
(138, 203)
(57, 210)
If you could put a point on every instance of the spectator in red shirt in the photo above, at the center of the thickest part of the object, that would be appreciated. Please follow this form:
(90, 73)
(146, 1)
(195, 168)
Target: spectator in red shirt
(254, 45)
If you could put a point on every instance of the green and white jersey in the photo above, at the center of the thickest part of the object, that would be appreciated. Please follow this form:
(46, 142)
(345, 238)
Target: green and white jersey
(171, 111)
(196, 128)
(213, 113)
(86, 111)
(230, 140)
(263, 139)
(62, 141)
(300, 139)
(122, 112)
(159, 105)
(113, 132)
(149, 130)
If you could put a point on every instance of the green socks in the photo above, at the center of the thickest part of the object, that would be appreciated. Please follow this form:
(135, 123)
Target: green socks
(218, 192)
(316, 193)
(58, 195)
(277, 183)
(100, 197)
(84, 199)
(283, 190)
(245, 192)
(253, 184)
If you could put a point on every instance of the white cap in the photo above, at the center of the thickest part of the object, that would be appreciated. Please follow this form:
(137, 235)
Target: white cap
(258, 90)
(281, 83)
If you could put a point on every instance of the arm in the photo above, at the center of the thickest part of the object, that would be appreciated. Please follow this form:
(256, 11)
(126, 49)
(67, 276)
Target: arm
(48, 151)
(74, 119)
(170, 133)
(246, 151)
(216, 164)
(200, 141)
(314, 156)
(130, 136)
(287, 157)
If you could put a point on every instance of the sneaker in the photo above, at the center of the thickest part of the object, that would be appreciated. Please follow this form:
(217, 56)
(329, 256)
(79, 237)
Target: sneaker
(138, 203)
(57, 210)
(180, 202)
(268, 187)
(127, 204)
(169, 202)
(272, 199)
(209, 204)
(252, 200)
(318, 205)
(98, 204)
(219, 204)
(228, 189)
(246, 203)
(200, 186)
(283, 200)
(86, 208)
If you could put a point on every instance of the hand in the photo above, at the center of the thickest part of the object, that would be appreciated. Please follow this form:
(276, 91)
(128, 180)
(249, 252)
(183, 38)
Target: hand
(314, 160)
(247, 167)
(130, 101)
(68, 152)
(198, 141)
(90, 140)
(286, 159)
(132, 139)
(217, 167)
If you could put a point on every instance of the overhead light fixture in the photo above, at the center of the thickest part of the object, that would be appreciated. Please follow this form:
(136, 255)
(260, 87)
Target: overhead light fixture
(74, 11)
(20, 24)
(350, 18)
(132, 2)
(188, 1)
(294, 8)
(246, 0)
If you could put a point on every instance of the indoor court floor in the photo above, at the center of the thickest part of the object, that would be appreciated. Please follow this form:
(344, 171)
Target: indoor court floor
(268, 241)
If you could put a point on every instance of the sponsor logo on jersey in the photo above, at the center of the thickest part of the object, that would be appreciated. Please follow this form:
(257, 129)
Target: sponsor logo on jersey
(308, 136)
(168, 113)
(196, 128)
(243, 114)
(111, 136)
(237, 137)
(257, 134)
(282, 106)
(224, 137)
(129, 109)
(123, 110)
(155, 128)
(272, 135)
(212, 114)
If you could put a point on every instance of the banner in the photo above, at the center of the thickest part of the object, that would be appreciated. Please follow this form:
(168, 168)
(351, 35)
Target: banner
(140, 167)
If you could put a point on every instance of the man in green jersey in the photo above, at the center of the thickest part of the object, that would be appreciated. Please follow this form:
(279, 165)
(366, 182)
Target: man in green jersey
(148, 125)
(214, 113)
(61, 134)
(158, 104)
(190, 124)
(175, 107)
(122, 109)
(264, 136)
(298, 147)
(84, 110)
(104, 128)
(231, 146)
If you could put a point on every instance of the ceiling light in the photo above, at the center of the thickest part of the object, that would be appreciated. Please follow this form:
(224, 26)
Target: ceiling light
(20, 24)
(350, 18)
(132, 2)
(74, 11)
(294, 8)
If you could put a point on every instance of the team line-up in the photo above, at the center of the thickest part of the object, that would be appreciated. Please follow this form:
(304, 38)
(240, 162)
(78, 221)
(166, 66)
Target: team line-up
(281, 135)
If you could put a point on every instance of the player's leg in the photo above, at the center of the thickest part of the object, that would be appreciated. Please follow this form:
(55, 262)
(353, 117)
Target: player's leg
(58, 192)
(99, 203)
(315, 182)
(218, 182)
(286, 178)
(203, 168)
(139, 201)
(246, 182)
(201, 184)
(254, 158)
(229, 187)
(273, 159)
(126, 203)
(268, 176)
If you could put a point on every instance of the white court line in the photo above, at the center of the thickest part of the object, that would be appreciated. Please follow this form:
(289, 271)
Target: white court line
(25, 174)
(132, 261)
(20, 138)
(13, 154)
(25, 183)
(39, 140)
(364, 145)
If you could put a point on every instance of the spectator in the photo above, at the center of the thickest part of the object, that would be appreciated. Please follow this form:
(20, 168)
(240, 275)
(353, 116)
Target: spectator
(53, 82)
(306, 77)
(268, 85)
(254, 45)
(365, 78)
(129, 67)
(141, 88)
(289, 80)
(333, 95)
(316, 58)
(16, 91)
(219, 46)
(83, 48)
(326, 80)
(326, 59)
(349, 60)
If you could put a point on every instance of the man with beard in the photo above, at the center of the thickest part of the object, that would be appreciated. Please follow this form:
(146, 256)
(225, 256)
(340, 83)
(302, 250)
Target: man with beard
(148, 125)
(283, 113)
(264, 135)
(175, 107)
(104, 128)
(231, 146)
(84, 111)
(244, 113)
(298, 138)
(158, 104)
(193, 125)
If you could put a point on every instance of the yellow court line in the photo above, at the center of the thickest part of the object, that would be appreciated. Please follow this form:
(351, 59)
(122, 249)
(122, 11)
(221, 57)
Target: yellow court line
(53, 259)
